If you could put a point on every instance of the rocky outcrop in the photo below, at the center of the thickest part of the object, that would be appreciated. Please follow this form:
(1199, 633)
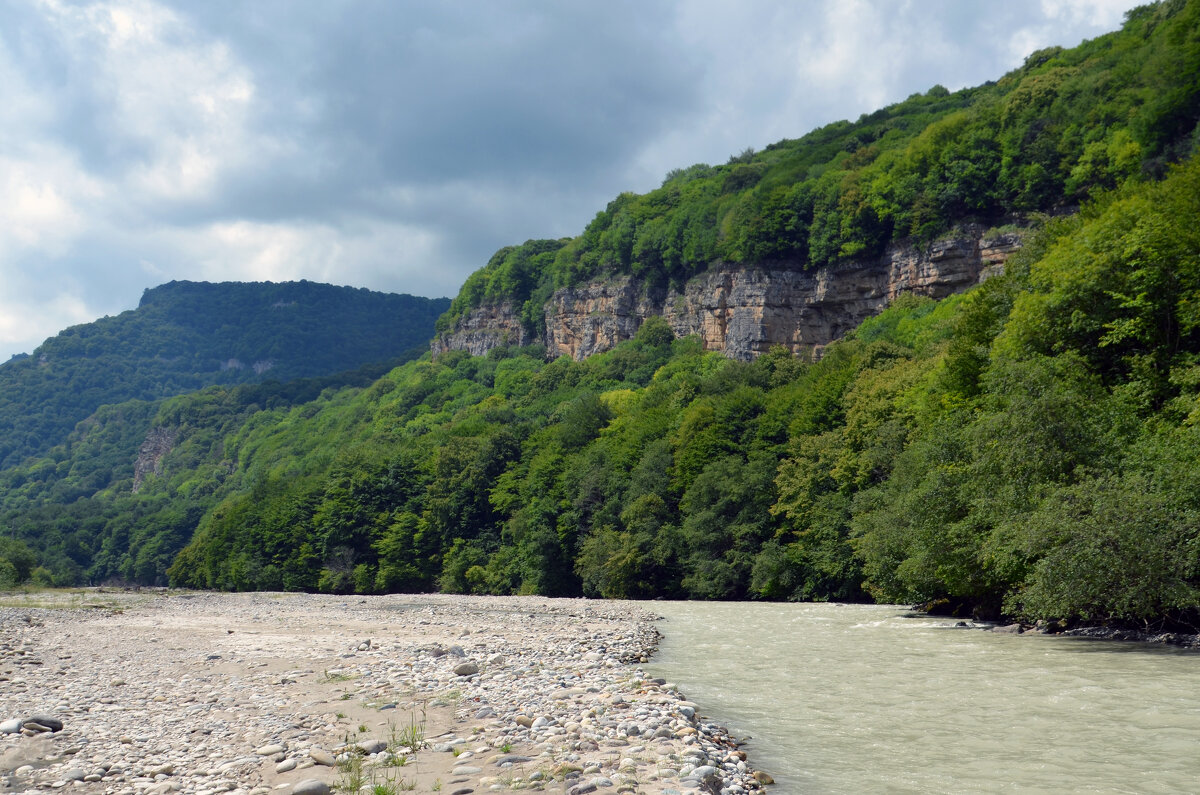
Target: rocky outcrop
(259, 367)
(483, 328)
(595, 316)
(745, 311)
(157, 444)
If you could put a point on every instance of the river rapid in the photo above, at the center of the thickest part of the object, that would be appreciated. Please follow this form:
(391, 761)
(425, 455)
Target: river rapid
(867, 698)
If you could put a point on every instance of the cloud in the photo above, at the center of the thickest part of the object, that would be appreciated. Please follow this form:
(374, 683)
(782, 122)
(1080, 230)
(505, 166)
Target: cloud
(396, 145)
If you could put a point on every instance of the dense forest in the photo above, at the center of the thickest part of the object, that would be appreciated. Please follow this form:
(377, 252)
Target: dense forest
(1030, 448)
(188, 335)
(1068, 125)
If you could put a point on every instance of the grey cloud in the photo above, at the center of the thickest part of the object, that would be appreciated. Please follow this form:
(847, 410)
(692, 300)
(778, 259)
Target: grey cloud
(417, 137)
(425, 93)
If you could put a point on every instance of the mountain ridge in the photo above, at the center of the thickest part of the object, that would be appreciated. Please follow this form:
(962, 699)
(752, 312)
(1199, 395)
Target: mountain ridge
(188, 335)
(1023, 449)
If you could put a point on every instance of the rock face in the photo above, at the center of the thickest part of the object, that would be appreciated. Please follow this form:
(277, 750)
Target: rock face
(157, 444)
(485, 327)
(744, 311)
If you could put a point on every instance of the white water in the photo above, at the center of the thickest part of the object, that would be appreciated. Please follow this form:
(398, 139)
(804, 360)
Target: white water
(860, 698)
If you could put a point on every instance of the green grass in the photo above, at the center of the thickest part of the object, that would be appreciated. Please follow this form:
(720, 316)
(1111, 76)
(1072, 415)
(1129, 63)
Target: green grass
(338, 676)
(354, 777)
(42, 598)
(411, 736)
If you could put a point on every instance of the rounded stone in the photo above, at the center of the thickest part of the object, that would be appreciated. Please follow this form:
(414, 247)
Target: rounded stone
(310, 786)
(49, 721)
(372, 746)
(322, 757)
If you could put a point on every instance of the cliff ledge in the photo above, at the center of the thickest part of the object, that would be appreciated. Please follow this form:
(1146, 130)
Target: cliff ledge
(743, 310)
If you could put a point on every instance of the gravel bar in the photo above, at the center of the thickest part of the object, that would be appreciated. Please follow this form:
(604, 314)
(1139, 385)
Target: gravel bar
(154, 691)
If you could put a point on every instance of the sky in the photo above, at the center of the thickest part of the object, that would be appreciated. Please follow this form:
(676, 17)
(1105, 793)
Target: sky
(395, 144)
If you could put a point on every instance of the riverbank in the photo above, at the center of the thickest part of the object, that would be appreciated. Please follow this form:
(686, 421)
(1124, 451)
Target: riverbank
(205, 693)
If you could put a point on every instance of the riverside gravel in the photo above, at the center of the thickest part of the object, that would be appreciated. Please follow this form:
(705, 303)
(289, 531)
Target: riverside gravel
(154, 692)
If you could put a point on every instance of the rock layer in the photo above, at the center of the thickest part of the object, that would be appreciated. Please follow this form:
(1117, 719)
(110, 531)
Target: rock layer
(483, 328)
(741, 310)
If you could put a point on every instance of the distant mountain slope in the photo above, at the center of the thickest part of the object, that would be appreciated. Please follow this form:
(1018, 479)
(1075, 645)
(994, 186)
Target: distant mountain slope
(188, 335)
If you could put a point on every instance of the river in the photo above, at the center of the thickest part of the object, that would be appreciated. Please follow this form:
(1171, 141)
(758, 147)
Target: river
(865, 698)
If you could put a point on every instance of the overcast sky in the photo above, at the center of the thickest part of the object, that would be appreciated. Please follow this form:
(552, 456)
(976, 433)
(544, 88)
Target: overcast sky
(395, 145)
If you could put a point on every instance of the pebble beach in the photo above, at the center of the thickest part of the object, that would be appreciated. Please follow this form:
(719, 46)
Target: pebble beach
(153, 692)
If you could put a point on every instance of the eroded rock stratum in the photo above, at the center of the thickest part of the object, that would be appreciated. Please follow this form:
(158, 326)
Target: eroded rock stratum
(741, 310)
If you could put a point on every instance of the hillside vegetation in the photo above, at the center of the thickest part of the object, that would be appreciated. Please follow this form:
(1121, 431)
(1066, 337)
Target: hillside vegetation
(1066, 126)
(1026, 449)
(188, 335)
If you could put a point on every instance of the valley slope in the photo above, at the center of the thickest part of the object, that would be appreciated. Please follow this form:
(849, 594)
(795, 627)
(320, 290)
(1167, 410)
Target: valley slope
(635, 412)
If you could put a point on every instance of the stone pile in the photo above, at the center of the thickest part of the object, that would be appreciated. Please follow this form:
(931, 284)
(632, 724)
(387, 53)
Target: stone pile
(257, 694)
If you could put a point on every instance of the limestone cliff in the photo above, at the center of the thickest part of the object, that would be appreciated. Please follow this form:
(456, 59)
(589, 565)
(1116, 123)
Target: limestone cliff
(158, 442)
(483, 328)
(742, 310)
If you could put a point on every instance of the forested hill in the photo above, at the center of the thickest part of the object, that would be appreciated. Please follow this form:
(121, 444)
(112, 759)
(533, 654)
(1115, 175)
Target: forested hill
(1028, 448)
(188, 335)
(1068, 125)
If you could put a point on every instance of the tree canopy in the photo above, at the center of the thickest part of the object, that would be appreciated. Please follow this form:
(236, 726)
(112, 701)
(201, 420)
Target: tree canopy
(1026, 449)
(185, 336)
(1066, 126)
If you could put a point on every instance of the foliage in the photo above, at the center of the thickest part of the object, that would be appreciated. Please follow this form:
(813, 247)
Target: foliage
(188, 335)
(1067, 126)
(1025, 450)
(965, 453)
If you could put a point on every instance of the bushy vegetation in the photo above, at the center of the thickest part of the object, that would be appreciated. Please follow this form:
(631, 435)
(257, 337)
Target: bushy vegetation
(1066, 126)
(187, 335)
(1028, 449)
(76, 509)
(1004, 451)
